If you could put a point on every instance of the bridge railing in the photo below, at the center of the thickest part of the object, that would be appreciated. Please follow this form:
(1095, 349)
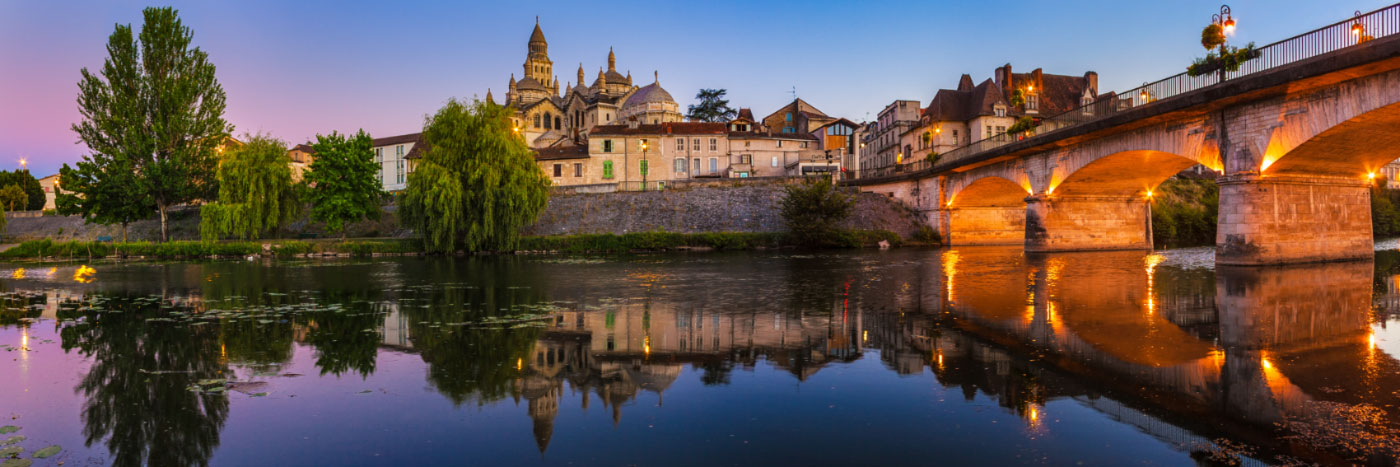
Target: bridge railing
(1336, 36)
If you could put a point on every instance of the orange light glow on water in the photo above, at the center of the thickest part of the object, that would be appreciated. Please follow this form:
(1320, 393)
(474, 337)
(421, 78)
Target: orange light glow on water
(519, 363)
(83, 274)
(18, 274)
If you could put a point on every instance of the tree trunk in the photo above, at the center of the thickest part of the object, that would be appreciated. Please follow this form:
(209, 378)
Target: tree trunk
(164, 229)
(123, 232)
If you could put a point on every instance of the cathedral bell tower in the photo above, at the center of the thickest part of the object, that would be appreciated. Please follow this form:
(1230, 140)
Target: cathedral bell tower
(537, 64)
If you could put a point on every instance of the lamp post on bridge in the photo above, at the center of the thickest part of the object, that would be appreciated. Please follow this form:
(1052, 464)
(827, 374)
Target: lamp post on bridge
(1226, 21)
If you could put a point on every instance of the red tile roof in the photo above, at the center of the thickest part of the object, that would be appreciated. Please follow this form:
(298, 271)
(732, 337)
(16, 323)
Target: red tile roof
(576, 151)
(400, 139)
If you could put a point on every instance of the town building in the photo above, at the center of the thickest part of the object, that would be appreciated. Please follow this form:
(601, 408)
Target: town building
(50, 186)
(393, 156)
(300, 158)
(796, 117)
(635, 154)
(896, 118)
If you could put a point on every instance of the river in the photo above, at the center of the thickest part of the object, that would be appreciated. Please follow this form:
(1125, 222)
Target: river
(910, 356)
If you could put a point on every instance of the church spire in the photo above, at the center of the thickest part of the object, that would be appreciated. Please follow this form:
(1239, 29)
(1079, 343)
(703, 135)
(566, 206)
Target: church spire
(488, 97)
(580, 74)
(612, 60)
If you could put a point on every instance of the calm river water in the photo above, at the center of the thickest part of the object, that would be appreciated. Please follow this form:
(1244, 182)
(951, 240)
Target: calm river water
(961, 356)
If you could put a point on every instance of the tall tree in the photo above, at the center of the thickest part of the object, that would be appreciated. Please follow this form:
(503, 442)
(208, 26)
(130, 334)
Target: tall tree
(32, 189)
(12, 196)
(477, 184)
(343, 185)
(713, 107)
(256, 195)
(157, 110)
(104, 190)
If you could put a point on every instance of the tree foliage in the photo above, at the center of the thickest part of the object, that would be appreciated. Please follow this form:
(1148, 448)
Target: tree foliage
(32, 189)
(1184, 212)
(713, 107)
(477, 184)
(155, 112)
(256, 194)
(12, 196)
(813, 210)
(344, 188)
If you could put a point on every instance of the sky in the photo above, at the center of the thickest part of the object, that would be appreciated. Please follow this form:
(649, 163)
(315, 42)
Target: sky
(294, 69)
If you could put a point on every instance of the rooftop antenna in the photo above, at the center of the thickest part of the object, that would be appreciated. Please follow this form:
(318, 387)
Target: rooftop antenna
(794, 93)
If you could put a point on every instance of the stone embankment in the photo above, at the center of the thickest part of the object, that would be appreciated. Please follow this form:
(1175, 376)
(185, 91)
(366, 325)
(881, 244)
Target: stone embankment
(720, 206)
(717, 208)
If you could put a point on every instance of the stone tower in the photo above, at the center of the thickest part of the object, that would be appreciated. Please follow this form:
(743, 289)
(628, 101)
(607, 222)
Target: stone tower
(537, 64)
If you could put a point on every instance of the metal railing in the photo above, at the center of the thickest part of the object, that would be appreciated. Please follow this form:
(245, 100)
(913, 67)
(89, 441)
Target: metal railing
(1336, 36)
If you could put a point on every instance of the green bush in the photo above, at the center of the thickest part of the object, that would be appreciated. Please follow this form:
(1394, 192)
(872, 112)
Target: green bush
(926, 234)
(1184, 212)
(813, 209)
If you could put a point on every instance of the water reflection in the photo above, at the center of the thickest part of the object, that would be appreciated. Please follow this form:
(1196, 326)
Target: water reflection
(1204, 361)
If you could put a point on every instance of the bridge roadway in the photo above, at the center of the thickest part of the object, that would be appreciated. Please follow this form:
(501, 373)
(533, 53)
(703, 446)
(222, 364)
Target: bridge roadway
(1296, 135)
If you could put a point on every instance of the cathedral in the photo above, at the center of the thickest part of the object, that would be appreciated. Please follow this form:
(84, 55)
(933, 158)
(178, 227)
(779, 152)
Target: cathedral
(550, 116)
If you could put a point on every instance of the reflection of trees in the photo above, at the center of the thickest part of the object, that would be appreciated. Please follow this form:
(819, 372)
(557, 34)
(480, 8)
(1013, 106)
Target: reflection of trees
(473, 362)
(716, 372)
(137, 385)
(344, 336)
(16, 306)
(252, 343)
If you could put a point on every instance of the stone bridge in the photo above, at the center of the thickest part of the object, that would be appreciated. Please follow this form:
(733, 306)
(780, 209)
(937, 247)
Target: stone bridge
(1295, 141)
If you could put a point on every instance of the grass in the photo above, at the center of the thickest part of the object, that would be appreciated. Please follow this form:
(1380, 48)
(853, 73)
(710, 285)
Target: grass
(191, 249)
(567, 244)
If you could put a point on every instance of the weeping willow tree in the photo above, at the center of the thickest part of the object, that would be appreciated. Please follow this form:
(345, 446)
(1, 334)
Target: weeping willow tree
(477, 184)
(256, 194)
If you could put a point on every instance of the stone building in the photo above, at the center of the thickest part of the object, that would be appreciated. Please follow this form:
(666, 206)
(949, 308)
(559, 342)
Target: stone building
(635, 153)
(50, 186)
(896, 118)
(550, 115)
(300, 158)
(796, 117)
(393, 155)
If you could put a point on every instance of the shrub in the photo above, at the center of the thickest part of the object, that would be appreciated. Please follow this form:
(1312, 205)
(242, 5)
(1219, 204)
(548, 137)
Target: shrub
(813, 209)
(926, 234)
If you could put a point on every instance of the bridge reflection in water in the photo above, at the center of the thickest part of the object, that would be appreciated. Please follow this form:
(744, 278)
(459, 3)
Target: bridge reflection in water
(1187, 355)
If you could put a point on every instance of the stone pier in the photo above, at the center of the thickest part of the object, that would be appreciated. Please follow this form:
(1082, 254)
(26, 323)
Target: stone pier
(1087, 223)
(1292, 219)
(986, 225)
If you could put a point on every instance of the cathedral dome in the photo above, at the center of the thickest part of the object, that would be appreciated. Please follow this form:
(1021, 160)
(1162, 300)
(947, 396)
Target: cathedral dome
(651, 93)
(529, 83)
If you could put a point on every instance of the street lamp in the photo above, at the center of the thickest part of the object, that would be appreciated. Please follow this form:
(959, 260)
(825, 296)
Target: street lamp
(644, 165)
(24, 163)
(1225, 20)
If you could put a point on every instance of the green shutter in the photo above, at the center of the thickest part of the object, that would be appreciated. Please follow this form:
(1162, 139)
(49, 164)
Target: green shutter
(644, 167)
(607, 169)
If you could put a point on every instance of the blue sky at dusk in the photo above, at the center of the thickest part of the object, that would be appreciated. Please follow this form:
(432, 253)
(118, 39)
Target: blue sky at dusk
(294, 69)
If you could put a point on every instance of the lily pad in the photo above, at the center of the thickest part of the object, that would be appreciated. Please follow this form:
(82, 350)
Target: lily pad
(211, 382)
(47, 452)
(258, 394)
(8, 429)
(12, 451)
(12, 440)
(17, 463)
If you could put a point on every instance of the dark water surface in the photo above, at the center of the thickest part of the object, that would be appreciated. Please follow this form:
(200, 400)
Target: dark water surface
(962, 356)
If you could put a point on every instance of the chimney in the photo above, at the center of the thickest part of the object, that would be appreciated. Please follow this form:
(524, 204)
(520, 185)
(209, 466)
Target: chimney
(632, 122)
(1091, 81)
(1035, 79)
(1003, 77)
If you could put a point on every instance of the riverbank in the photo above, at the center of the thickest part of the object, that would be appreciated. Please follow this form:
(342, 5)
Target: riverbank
(49, 250)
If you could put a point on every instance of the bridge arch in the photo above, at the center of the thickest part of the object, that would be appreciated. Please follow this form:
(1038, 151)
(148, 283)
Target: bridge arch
(1355, 147)
(1122, 174)
(990, 210)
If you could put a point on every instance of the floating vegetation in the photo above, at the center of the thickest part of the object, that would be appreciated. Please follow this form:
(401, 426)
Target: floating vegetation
(47, 452)
(8, 429)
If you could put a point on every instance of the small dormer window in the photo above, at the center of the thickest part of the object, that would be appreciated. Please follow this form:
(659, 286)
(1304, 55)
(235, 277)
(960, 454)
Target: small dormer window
(1087, 103)
(1032, 102)
(1000, 111)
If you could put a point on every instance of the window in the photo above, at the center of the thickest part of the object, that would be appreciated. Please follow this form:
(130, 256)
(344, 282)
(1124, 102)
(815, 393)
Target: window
(746, 144)
(804, 144)
(1001, 111)
(578, 169)
(695, 145)
(556, 124)
(714, 144)
(1032, 102)
(697, 165)
(558, 170)
(746, 158)
(680, 144)
(546, 121)
(780, 143)
(789, 116)
(398, 151)
(607, 169)
(378, 155)
(537, 120)
(607, 145)
(398, 171)
(989, 132)
(714, 165)
(1001, 129)
(680, 165)
(775, 161)
(643, 167)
